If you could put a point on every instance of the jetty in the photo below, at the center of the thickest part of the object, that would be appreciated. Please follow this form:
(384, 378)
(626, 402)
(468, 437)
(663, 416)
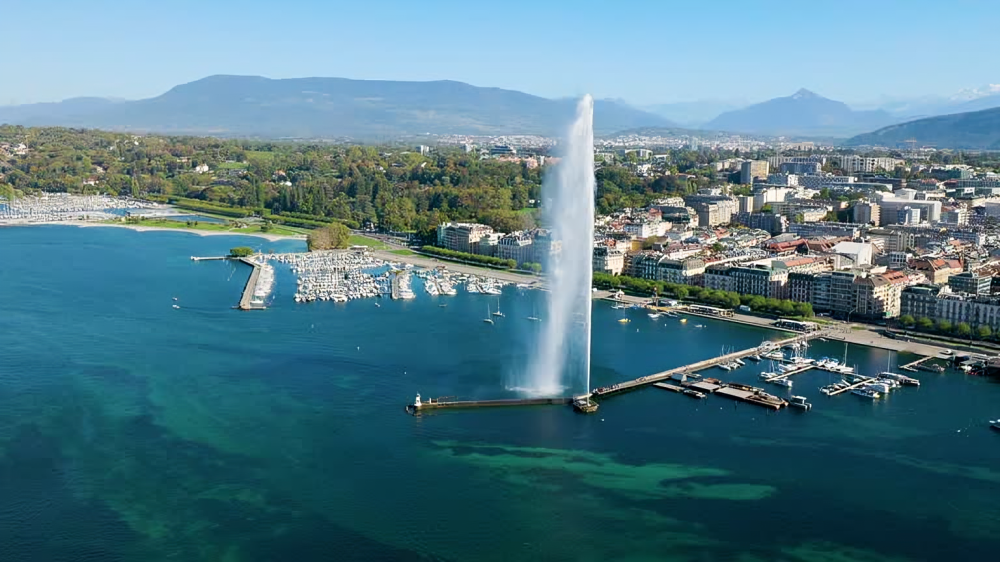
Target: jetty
(641, 382)
(252, 289)
(420, 405)
(211, 258)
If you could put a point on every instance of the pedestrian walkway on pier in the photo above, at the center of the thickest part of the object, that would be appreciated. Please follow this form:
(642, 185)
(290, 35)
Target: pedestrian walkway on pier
(700, 365)
(246, 301)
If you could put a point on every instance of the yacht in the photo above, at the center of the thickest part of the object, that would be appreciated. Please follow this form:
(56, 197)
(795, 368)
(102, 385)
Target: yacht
(699, 325)
(726, 366)
(498, 313)
(654, 315)
(755, 358)
(684, 320)
(866, 392)
(176, 306)
(624, 320)
(488, 320)
(799, 402)
(767, 375)
(672, 314)
(995, 424)
(782, 382)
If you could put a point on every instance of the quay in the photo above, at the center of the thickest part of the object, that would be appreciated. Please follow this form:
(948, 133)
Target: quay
(699, 366)
(196, 258)
(420, 405)
(246, 301)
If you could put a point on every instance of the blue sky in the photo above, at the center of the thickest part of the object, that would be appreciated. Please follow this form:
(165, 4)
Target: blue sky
(650, 51)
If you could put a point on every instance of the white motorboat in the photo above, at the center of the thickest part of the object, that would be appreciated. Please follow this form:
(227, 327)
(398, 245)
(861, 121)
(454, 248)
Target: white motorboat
(799, 402)
(866, 392)
(782, 382)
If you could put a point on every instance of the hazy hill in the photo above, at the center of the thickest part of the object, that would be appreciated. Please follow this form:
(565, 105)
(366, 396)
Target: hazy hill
(331, 107)
(803, 113)
(974, 130)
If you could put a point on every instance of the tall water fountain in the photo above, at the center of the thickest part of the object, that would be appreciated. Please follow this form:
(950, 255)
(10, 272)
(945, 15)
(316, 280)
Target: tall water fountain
(561, 365)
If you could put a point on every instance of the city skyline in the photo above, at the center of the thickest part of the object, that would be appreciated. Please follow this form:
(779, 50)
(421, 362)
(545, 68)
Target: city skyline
(642, 52)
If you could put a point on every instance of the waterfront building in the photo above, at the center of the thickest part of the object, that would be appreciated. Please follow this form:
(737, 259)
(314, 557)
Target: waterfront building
(516, 246)
(461, 237)
(608, 260)
(759, 280)
(878, 296)
(688, 271)
(940, 303)
(800, 286)
(717, 277)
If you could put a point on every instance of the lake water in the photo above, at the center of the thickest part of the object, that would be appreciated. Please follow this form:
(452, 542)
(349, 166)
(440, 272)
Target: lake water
(130, 430)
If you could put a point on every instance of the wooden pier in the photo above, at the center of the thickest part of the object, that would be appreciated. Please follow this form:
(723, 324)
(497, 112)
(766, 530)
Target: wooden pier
(246, 301)
(640, 382)
(861, 381)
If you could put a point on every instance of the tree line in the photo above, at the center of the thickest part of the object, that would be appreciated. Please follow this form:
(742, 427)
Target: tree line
(724, 299)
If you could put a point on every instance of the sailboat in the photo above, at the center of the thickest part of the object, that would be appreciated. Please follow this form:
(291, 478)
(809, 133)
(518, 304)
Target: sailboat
(534, 318)
(624, 319)
(488, 320)
(497, 313)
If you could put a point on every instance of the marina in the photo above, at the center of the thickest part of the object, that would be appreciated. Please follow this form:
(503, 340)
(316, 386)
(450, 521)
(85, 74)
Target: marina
(56, 207)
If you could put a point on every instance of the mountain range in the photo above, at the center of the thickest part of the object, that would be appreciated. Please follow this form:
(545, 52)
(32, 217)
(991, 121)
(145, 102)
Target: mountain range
(329, 107)
(971, 130)
(253, 106)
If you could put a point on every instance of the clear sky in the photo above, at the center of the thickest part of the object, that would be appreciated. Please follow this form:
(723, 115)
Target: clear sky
(643, 51)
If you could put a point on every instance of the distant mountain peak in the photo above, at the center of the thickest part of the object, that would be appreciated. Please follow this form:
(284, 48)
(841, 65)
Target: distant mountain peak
(804, 94)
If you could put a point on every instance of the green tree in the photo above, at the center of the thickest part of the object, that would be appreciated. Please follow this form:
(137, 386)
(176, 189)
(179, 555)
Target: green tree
(241, 252)
(925, 324)
(334, 236)
(943, 326)
(963, 330)
(984, 332)
(906, 320)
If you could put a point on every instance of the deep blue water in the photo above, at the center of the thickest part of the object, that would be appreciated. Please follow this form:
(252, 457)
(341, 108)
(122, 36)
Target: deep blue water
(133, 431)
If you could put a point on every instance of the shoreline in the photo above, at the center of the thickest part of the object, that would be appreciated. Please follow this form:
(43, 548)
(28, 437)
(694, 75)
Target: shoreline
(141, 228)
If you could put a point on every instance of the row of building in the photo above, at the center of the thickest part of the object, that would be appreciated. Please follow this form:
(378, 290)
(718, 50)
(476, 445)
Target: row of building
(527, 246)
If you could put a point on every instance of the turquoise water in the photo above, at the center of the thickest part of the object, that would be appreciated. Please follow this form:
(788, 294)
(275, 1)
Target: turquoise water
(133, 431)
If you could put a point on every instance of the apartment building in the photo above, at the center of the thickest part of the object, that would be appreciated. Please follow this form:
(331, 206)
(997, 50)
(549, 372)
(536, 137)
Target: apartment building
(753, 169)
(939, 303)
(970, 283)
(608, 260)
(462, 237)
